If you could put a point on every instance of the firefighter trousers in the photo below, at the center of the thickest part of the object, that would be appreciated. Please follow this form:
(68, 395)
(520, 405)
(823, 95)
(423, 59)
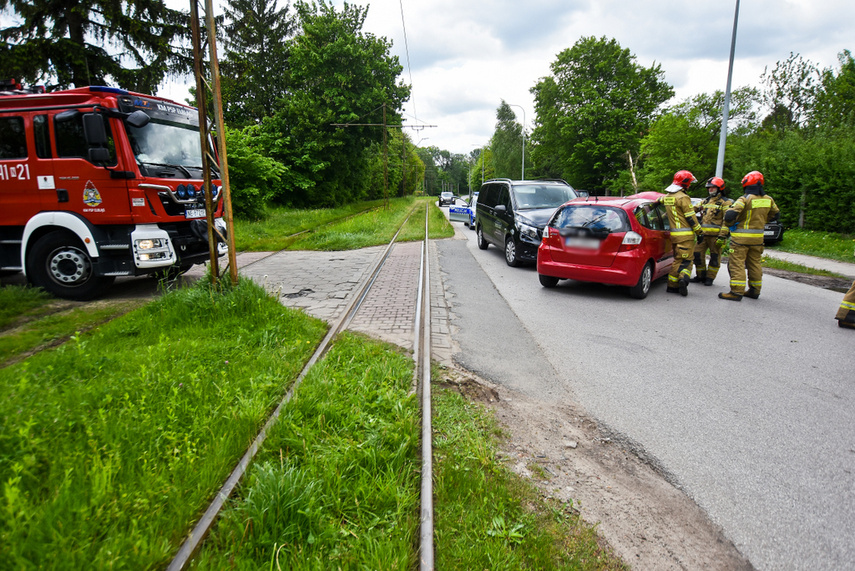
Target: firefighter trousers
(745, 258)
(846, 313)
(709, 244)
(682, 265)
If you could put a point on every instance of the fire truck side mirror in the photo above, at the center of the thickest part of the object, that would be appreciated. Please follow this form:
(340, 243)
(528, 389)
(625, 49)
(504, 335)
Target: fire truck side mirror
(138, 119)
(93, 129)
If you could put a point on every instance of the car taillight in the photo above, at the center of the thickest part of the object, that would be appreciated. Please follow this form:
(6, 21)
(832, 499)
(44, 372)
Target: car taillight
(631, 241)
(545, 234)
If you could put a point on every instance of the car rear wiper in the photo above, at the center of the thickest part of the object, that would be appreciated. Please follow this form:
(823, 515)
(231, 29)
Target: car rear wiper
(597, 219)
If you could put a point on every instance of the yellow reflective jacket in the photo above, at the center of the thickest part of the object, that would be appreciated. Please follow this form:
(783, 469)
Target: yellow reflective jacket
(711, 212)
(681, 216)
(752, 213)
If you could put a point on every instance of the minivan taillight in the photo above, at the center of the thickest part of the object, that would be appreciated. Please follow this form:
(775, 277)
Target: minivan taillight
(545, 234)
(631, 241)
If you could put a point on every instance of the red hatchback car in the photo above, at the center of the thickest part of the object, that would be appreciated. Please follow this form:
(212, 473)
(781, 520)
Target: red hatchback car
(612, 240)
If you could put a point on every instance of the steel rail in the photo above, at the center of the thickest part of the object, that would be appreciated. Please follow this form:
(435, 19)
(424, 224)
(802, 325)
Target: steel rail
(426, 560)
(194, 540)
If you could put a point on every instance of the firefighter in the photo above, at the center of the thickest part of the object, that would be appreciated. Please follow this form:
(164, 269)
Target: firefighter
(747, 218)
(711, 212)
(846, 314)
(685, 230)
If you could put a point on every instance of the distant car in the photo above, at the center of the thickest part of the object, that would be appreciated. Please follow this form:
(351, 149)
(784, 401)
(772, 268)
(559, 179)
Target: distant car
(459, 211)
(511, 213)
(621, 241)
(446, 198)
(773, 232)
(473, 203)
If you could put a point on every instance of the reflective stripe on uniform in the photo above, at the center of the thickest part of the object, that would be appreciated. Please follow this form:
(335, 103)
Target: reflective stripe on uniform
(682, 232)
(847, 305)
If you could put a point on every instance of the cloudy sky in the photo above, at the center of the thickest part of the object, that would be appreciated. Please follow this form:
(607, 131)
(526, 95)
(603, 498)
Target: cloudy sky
(463, 57)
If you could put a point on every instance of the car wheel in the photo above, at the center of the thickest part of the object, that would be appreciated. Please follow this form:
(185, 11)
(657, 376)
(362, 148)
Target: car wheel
(60, 264)
(479, 233)
(547, 281)
(642, 288)
(511, 253)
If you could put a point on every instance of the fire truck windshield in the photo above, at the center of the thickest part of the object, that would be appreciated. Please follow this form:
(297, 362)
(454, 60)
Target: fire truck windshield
(162, 148)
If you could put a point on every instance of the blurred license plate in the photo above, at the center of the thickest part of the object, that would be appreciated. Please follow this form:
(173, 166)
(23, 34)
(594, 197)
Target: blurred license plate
(583, 243)
(194, 213)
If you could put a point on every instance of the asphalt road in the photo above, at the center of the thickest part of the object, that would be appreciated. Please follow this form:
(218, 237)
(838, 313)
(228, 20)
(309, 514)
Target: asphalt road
(748, 407)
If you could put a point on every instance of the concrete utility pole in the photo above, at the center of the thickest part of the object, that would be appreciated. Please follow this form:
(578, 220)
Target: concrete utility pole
(725, 112)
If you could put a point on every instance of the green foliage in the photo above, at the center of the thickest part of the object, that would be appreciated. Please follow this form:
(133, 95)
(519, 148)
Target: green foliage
(594, 108)
(337, 484)
(506, 144)
(790, 89)
(253, 177)
(338, 74)
(53, 43)
(835, 102)
(17, 302)
(254, 70)
(687, 136)
(112, 444)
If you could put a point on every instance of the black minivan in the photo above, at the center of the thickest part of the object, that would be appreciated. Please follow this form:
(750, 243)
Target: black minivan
(511, 214)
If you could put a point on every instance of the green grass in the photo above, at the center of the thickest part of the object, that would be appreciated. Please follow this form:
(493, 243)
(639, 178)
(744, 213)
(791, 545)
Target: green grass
(336, 486)
(770, 262)
(272, 232)
(355, 226)
(42, 329)
(829, 245)
(17, 302)
(488, 518)
(111, 444)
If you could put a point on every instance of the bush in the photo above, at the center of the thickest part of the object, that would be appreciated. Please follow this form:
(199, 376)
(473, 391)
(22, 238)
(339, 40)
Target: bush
(253, 176)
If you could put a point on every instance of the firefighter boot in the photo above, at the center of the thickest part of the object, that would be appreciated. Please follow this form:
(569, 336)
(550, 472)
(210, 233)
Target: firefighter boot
(683, 286)
(708, 281)
(670, 289)
(752, 293)
(700, 277)
(730, 296)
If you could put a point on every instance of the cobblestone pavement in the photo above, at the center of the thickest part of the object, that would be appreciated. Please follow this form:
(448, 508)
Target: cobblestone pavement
(322, 284)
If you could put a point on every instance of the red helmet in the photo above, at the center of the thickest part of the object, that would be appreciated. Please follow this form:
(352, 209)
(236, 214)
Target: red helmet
(684, 178)
(716, 182)
(754, 177)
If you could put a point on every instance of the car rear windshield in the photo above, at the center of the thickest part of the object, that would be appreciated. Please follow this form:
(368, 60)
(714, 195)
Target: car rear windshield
(533, 196)
(595, 217)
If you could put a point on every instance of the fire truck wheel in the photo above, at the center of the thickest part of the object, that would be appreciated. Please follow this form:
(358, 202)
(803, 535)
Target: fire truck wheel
(59, 264)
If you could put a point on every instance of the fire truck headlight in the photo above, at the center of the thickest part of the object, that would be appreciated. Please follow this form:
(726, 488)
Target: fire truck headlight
(191, 190)
(181, 191)
(150, 244)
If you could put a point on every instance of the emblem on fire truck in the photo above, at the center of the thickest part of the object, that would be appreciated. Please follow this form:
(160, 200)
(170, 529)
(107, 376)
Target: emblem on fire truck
(91, 196)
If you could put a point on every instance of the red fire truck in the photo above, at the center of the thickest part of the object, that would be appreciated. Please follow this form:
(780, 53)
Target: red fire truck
(98, 182)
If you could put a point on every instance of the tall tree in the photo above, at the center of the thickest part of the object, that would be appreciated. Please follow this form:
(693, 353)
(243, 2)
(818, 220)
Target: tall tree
(686, 136)
(789, 91)
(507, 143)
(835, 100)
(254, 71)
(338, 75)
(596, 106)
(62, 42)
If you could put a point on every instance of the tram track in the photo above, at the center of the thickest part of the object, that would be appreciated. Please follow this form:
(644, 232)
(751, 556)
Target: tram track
(422, 371)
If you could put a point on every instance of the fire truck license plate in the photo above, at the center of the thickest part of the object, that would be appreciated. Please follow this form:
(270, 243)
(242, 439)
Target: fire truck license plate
(194, 213)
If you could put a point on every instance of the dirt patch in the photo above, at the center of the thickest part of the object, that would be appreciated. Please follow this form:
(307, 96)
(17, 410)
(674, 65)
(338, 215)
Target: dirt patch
(648, 522)
(841, 285)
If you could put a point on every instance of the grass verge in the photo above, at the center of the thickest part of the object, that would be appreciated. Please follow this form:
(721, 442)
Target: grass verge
(275, 231)
(111, 444)
(770, 262)
(17, 303)
(337, 484)
(829, 245)
(487, 517)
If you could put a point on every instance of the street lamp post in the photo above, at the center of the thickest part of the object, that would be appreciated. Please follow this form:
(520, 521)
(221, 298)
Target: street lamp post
(523, 140)
(725, 112)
